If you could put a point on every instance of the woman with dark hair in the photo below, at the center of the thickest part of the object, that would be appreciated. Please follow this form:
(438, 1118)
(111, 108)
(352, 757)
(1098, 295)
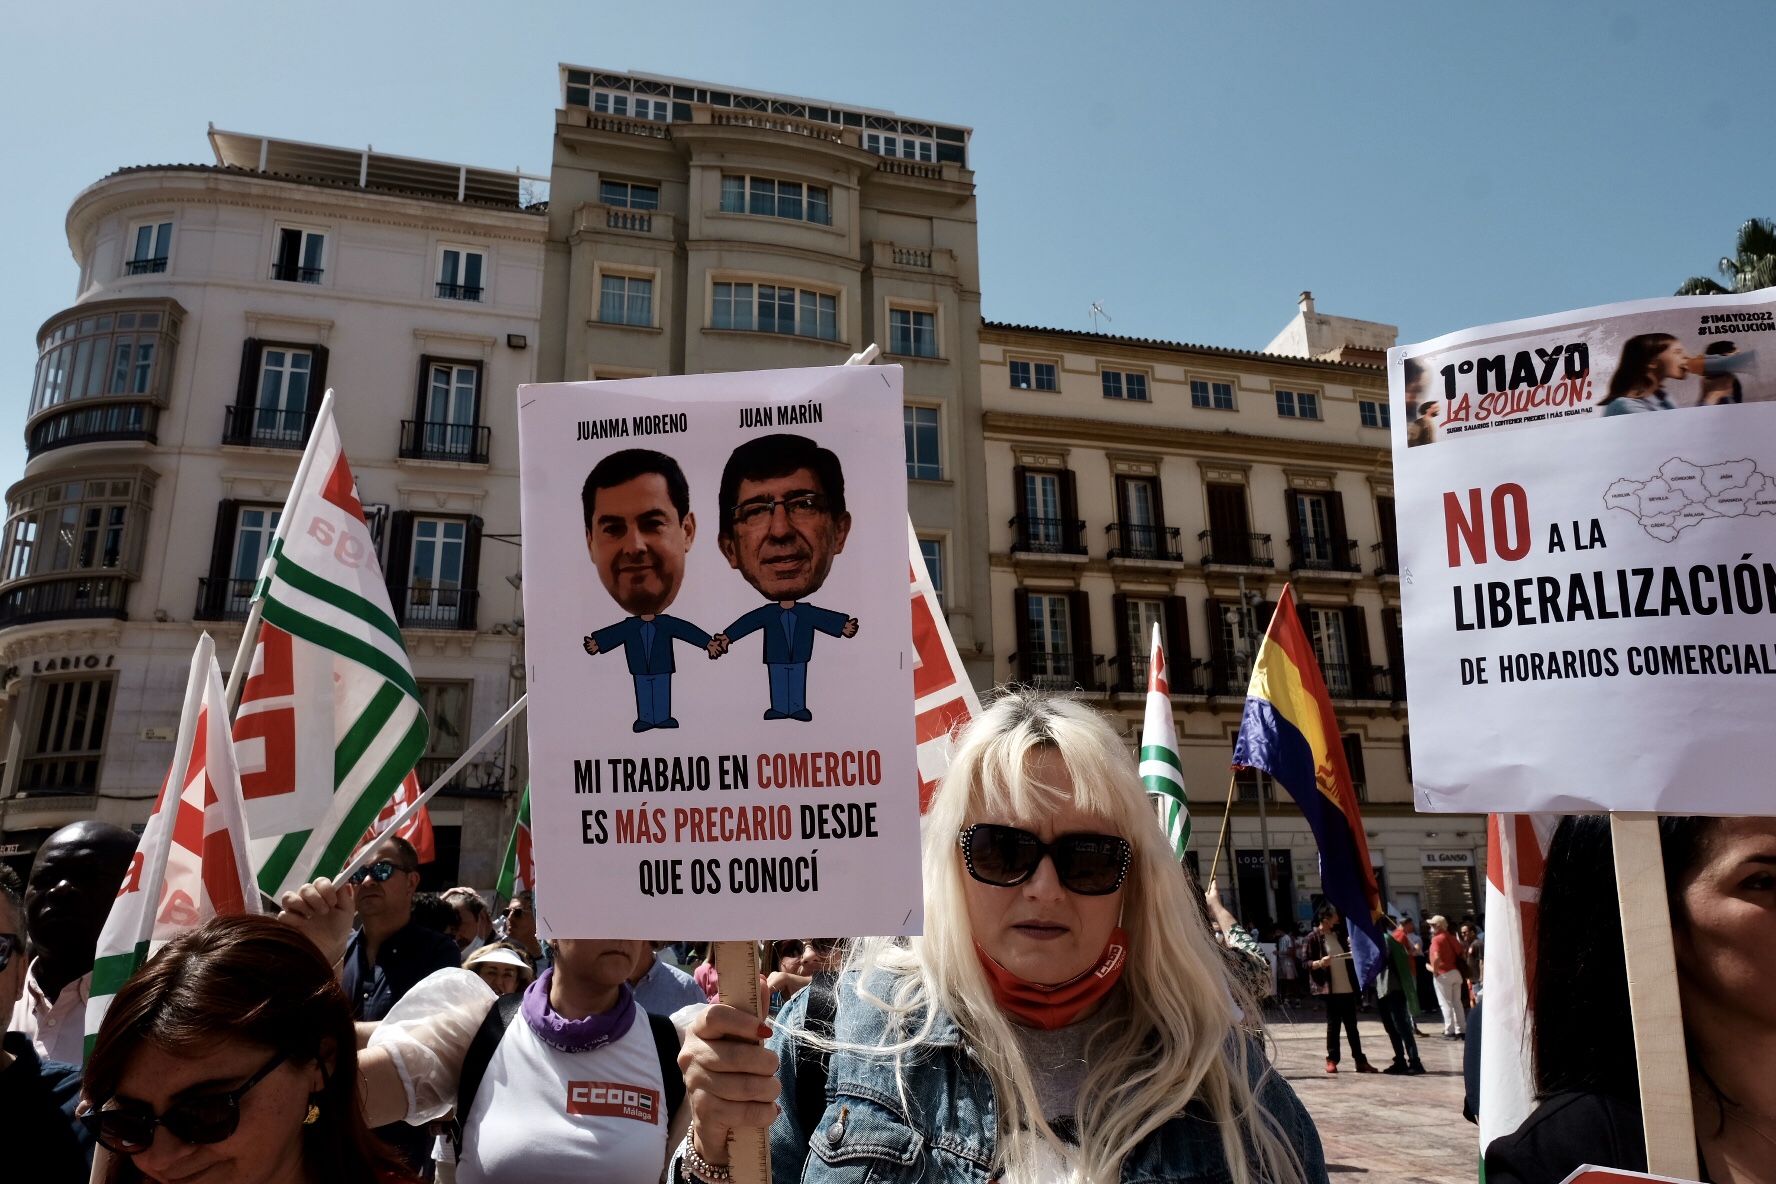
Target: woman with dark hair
(1648, 361)
(1720, 877)
(230, 1057)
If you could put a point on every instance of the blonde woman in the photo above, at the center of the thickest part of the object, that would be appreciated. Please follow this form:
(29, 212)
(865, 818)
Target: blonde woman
(1066, 1016)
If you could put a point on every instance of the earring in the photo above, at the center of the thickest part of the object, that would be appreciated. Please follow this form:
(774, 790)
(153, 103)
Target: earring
(314, 1114)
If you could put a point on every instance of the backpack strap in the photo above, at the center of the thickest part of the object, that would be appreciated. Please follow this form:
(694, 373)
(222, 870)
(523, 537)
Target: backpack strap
(479, 1056)
(810, 1062)
(666, 1045)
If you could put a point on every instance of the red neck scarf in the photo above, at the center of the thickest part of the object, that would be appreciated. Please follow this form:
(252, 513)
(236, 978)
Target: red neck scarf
(1045, 1007)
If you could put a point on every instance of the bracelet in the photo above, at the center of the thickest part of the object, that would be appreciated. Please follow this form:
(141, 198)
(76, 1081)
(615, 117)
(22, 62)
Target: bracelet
(698, 1168)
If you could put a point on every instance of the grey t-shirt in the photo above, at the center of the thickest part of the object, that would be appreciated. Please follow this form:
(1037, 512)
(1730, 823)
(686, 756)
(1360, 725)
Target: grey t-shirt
(1058, 1064)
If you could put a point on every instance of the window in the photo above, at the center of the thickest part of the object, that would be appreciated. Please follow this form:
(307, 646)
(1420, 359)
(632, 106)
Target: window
(1211, 395)
(1298, 404)
(912, 333)
(449, 414)
(1139, 618)
(253, 532)
(629, 195)
(1313, 528)
(1373, 413)
(1353, 760)
(923, 462)
(610, 102)
(931, 550)
(280, 415)
(1139, 530)
(1042, 507)
(299, 255)
(771, 198)
(1033, 376)
(772, 308)
(1326, 632)
(66, 740)
(446, 707)
(100, 356)
(435, 576)
(149, 248)
(1125, 384)
(904, 147)
(626, 300)
(89, 532)
(1049, 664)
(459, 273)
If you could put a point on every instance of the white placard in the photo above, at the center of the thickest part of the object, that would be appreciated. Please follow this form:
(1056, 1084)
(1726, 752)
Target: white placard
(1587, 526)
(770, 789)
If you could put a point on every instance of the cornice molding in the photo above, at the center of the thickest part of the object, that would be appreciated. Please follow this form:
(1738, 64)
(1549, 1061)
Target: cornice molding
(1022, 427)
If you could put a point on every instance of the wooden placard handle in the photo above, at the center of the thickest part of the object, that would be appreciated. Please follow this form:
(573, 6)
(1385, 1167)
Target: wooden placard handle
(737, 974)
(1652, 996)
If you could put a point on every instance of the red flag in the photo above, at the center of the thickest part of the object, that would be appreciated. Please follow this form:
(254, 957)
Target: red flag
(943, 698)
(416, 830)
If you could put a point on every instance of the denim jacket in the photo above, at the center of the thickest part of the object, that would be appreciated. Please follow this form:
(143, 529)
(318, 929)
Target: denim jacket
(945, 1133)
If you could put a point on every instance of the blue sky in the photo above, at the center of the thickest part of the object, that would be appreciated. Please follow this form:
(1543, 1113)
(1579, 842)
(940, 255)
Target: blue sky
(1193, 166)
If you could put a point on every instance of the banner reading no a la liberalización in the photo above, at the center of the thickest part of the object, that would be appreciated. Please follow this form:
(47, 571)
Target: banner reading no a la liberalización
(1587, 530)
(721, 662)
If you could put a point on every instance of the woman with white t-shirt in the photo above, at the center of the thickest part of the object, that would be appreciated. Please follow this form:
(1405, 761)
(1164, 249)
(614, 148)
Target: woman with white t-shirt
(579, 1073)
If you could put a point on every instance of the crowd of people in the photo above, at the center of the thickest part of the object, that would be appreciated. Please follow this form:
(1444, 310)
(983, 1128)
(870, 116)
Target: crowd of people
(1076, 1009)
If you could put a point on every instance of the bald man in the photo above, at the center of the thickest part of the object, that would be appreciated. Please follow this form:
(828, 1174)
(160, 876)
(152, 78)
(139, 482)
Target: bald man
(73, 882)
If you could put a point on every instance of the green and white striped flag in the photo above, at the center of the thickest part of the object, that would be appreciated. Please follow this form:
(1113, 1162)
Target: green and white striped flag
(329, 723)
(1162, 771)
(191, 862)
(518, 869)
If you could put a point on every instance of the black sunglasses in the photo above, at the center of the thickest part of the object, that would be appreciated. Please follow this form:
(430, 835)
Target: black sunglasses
(210, 1118)
(10, 944)
(1005, 856)
(380, 871)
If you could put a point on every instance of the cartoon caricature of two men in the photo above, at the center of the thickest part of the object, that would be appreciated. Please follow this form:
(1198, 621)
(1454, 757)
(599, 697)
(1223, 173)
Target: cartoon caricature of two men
(783, 520)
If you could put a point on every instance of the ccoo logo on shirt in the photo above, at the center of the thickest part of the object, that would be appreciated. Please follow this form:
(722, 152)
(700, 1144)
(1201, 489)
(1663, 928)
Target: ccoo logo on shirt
(611, 1099)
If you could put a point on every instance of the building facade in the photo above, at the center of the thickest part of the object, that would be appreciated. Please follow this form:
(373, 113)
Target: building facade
(1136, 484)
(695, 228)
(170, 404)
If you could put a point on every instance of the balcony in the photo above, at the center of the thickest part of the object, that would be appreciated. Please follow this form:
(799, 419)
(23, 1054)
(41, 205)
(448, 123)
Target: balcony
(1226, 676)
(1390, 683)
(1386, 557)
(105, 422)
(1047, 536)
(223, 600)
(1322, 553)
(467, 292)
(1187, 677)
(1231, 549)
(461, 443)
(619, 218)
(146, 266)
(1048, 670)
(1153, 543)
(63, 596)
(266, 427)
(427, 607)
(74, 774)
(291, 274)
(1356, 682)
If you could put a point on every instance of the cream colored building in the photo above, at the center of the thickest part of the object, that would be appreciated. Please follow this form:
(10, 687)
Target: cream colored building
(696, 228)
(169, 407)
(1134, 483)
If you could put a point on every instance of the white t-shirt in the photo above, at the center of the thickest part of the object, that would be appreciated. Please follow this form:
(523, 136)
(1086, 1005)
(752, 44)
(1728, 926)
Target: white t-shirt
(542, 1115)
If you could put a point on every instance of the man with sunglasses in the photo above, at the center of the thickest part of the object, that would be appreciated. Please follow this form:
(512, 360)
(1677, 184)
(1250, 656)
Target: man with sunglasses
(37, 1096)
(783, 521)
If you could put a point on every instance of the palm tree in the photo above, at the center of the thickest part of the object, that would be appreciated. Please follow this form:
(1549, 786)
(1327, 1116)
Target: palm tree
(1751, 266)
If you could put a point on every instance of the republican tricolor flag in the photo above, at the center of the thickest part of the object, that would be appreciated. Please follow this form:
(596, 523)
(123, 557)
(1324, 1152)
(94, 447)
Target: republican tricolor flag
(191, 862)
(1290, 732)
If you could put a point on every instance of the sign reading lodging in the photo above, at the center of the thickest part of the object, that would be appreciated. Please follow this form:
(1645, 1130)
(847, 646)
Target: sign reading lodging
(1588, 558)
(722, 666)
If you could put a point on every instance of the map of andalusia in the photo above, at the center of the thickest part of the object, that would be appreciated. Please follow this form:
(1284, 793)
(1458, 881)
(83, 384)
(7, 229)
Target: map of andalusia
(1684, 493)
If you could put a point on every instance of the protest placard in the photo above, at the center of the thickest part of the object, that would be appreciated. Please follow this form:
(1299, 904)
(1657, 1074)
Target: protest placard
(719, 643)
(1588, 558)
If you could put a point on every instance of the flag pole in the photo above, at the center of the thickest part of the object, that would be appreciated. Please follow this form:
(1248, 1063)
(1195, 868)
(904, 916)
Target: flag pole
(1222, 837)
(418, 804)
(243, 654)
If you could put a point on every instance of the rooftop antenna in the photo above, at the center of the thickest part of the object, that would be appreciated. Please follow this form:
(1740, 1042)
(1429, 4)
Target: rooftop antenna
(1097, 310)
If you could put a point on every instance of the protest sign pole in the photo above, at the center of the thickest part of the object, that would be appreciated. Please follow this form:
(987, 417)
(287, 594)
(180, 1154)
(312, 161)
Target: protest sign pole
(1221, 838)
(418, 804)
(1659, 1054)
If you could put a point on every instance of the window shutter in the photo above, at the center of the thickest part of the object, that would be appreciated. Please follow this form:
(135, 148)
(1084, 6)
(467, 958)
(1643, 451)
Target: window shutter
(1396, 651)
(1341, 548)
(1292, 501)
(1220, 661)
(221, 551)
(419, 394)
(1390, 539)
(1356, 643)
(1177, 628)
(1353, 760)
(317, 389)
(1070, 540)
(1021, 536)
(246, 391)
(1020, 611)
(1079, 608)
(468, 616)
(400, 557)
(1161, 544)
(1125, 669)
(1305, 615)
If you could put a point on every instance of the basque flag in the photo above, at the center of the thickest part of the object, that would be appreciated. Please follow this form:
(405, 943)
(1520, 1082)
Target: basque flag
(1289, 732)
